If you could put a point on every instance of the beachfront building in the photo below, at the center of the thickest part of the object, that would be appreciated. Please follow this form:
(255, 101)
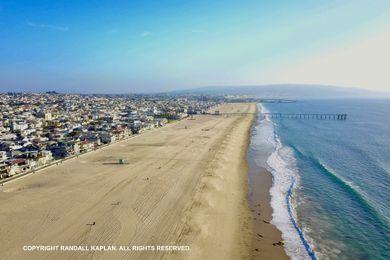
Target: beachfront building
(107, 138)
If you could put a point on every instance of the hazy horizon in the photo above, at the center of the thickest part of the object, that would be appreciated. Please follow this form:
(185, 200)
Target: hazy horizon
(283, 91)
(139, 47)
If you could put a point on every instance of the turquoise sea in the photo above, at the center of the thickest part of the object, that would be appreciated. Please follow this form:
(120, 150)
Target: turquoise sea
(331, 178)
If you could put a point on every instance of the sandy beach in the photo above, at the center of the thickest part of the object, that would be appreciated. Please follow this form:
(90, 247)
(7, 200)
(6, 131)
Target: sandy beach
(184, 184)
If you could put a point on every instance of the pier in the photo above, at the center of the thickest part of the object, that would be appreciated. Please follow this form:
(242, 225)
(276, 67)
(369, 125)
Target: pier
(318, 116)
(275, 100)
(306, 116)
(258, 100)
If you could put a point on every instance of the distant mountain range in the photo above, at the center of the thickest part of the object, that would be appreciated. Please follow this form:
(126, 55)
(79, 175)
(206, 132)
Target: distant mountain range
(291, 91)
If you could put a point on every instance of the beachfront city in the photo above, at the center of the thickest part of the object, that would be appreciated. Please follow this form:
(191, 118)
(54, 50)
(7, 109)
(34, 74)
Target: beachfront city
(40, 129)
(194, 130)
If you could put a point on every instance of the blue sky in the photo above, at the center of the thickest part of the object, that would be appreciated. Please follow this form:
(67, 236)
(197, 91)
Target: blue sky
(144, 46)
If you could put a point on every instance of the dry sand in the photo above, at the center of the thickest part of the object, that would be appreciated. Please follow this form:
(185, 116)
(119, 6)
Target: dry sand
(184, 184)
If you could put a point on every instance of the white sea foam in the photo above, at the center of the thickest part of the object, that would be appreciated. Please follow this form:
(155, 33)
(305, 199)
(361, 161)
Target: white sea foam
(281, 163)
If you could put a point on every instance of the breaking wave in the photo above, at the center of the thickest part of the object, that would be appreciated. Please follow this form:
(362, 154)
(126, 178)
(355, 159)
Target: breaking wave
(282, 164)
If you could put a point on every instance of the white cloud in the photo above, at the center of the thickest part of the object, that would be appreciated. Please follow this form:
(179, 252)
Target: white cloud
(48, 26)
(145, 34)
(362, 63)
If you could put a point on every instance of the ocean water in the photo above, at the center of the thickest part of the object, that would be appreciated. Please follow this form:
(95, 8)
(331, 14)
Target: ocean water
(331, 178)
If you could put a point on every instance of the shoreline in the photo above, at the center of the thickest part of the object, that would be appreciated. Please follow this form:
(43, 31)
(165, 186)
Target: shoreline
(267, 242)
(185, 184)
(266, 237)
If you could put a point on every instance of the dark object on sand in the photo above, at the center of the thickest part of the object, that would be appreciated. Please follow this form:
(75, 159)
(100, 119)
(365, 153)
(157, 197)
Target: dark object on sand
(280, 243)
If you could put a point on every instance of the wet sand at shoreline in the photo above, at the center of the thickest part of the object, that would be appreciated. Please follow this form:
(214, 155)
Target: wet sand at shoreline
(266, 236)
(184, 184)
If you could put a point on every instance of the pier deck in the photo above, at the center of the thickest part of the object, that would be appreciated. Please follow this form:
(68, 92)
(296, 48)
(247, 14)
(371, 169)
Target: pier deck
(306, 116)
(291, 115)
